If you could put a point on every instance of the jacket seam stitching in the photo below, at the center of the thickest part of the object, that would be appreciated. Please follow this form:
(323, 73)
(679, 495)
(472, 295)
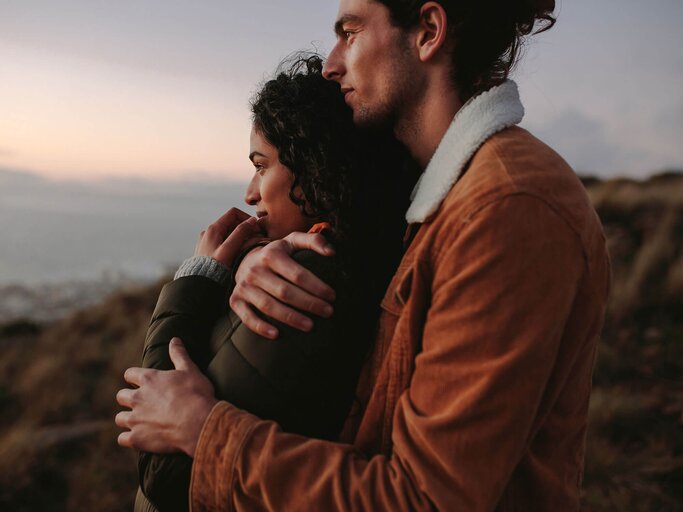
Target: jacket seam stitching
(233, 464)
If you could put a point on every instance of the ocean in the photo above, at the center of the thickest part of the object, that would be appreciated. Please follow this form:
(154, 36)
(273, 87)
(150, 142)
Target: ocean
(61, 231)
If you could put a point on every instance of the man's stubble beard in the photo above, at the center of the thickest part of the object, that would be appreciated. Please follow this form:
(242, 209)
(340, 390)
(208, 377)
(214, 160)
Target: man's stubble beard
(394, 110)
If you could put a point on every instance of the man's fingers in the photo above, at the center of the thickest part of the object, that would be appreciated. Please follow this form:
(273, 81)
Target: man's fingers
(122, 419)
(136, 375)
(125, 440)
(272, 307)
(125, 397)
(313, 241)
(252, 320)
(290, 295)
(179, 356)
(303, 278)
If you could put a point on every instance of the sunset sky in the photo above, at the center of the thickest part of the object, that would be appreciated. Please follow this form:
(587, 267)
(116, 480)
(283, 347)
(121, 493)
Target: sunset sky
(159, 89)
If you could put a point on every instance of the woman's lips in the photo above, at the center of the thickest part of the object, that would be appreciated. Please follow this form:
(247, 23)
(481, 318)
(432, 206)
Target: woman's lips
(261, 214)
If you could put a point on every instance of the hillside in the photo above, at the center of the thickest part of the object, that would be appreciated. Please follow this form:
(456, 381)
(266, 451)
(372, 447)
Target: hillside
(57, 382)
(58, 446)
(635, 444)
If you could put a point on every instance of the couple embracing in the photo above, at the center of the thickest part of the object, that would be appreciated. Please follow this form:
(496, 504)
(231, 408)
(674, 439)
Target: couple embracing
(358, 367)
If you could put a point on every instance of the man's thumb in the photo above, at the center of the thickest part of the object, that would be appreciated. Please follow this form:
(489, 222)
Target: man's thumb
(179, 356)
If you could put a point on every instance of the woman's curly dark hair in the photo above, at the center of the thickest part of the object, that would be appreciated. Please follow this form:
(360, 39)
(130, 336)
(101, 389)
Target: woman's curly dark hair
(305, 118)
(359, 182)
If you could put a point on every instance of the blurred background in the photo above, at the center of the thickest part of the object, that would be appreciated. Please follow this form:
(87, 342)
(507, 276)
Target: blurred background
(124, 131)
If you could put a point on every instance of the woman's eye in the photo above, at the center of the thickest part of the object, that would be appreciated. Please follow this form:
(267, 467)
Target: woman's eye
(259, 168)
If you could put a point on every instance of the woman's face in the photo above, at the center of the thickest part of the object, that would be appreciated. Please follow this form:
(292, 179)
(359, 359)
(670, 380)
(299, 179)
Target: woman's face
(269, 189)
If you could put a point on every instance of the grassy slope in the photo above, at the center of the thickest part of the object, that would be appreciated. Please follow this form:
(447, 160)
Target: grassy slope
(635, 443)
(57, 387)
(67, 376)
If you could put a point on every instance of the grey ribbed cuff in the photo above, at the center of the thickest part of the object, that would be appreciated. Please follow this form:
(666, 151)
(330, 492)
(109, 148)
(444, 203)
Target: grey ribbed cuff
(204, 266)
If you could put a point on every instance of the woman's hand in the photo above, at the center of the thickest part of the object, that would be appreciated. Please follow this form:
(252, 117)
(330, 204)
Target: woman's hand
(226, 237)
(272, 282)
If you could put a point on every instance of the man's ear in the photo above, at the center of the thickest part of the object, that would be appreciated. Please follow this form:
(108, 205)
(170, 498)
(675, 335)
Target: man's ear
(432, 30)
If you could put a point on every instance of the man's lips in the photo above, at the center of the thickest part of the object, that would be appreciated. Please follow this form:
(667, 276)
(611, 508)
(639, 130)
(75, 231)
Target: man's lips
(346, 91)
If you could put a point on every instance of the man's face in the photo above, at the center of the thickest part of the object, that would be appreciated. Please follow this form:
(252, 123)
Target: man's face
(373, 63)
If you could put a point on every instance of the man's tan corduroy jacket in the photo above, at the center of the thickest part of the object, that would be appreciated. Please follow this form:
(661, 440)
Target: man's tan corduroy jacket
(476, 395)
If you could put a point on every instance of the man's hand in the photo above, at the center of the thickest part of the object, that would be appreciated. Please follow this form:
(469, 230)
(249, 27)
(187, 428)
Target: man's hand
(226, 237)
(271, 281)
(168, 408)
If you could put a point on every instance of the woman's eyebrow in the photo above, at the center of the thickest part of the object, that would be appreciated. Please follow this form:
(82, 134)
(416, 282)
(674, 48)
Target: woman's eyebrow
(255, 153)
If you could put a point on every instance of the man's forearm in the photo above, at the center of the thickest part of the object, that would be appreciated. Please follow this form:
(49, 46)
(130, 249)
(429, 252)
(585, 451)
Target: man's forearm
(466, 416)
(244, 463)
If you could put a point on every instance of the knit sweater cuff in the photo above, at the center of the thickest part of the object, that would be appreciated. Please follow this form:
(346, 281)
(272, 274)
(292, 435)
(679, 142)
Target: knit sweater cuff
(204, 266)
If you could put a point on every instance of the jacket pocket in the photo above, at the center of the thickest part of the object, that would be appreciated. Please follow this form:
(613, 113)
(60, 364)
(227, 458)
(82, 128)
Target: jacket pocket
(398, 292)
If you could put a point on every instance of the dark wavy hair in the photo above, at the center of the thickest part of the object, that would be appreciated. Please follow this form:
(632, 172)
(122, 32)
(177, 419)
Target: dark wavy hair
(357, 181)
(487, 35)
(306, 119)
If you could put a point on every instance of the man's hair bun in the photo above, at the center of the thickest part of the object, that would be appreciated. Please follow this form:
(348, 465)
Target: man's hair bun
(488, 35)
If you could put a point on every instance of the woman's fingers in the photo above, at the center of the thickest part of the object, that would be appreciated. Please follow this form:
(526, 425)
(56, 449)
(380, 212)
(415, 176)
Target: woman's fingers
(223, 239)
(228, 221)
(233, 244)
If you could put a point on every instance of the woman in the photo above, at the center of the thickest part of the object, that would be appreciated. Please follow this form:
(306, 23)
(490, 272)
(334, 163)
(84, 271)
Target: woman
(313, 171)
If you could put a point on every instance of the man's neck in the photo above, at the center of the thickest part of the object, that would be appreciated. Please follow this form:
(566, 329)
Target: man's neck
(422, 128)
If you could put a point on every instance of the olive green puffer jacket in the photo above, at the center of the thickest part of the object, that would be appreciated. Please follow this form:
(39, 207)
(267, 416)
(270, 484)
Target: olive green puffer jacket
(303, 381)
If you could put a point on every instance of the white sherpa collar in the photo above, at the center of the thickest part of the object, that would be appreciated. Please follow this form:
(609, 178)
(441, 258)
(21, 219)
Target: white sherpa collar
(477, 120)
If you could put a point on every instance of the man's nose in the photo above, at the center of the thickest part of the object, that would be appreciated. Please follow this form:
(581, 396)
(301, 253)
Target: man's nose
(332, 68)
(252, 196)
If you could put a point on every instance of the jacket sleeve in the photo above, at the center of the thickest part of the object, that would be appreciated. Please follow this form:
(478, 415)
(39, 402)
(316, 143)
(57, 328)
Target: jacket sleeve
(305, 381)
(187, 308)
(295, 380)
(501, 292)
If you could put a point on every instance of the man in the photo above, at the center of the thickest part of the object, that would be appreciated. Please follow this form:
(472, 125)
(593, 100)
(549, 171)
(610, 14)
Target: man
(476, 394)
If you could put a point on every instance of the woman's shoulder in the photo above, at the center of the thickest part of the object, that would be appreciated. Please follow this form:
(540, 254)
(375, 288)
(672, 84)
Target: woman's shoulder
(328, 268)
(315, 261)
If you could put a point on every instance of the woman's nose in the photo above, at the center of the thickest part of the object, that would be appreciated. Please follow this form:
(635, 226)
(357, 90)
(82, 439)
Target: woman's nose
(252, 196)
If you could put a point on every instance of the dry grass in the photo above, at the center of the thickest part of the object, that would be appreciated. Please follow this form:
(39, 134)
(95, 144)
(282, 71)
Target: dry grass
(634, 456)
(58, 446)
